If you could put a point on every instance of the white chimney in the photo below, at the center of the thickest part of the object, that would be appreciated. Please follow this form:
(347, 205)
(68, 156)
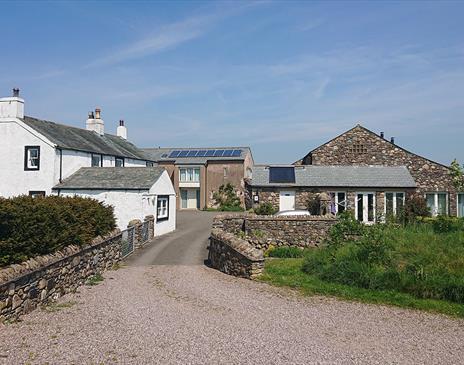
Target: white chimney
(12, 107)
(122, 130)
(95, 123)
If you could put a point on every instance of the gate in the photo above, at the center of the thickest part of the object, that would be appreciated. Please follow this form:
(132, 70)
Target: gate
(127, 242)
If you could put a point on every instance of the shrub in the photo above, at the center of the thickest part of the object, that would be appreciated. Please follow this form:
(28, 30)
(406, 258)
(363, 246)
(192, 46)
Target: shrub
(445, 224)
(226, 198)
(347, 228)
(314, 204)
(416, 206)
(414, 259)
(265, 209)
(286, 252)
(37, 226)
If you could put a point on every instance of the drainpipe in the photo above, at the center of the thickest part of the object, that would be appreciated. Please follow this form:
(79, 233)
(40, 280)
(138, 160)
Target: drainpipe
(61, 166)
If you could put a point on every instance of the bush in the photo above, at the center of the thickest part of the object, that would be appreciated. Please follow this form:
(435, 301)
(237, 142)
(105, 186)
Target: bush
(414, 259)
(346, 229)
(415, 207)
(445, 224)
(226, 198)
(286, 252)
(313, 204)
(265, 209)
(37, 226)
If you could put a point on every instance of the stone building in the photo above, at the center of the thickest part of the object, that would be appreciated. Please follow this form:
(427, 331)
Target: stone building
(360, 171)
(199, 172)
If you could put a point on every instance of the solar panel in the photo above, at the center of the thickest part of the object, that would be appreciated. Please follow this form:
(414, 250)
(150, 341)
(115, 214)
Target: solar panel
(237, 153)
(174, 154)
(227, 153)
(218, 153)
(201, 153)
(183, 153)
(192, 153)
(210, 153)
(281, 174)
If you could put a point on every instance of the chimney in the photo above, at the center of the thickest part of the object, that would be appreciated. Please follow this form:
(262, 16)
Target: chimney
(12, 107)
(392, 140)
(122, 130)
(95, 123)
(382, 135)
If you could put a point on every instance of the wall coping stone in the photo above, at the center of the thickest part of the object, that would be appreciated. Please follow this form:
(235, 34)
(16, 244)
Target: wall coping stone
(242, 246)
(15, 272)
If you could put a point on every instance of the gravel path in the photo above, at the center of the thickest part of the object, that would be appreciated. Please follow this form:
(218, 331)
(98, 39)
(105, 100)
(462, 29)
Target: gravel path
(195, 315)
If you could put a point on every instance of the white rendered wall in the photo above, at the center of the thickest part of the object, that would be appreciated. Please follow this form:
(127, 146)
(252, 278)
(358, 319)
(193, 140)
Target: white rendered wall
(164, 187)
(13, 179)
(127, 203)
(128, 162)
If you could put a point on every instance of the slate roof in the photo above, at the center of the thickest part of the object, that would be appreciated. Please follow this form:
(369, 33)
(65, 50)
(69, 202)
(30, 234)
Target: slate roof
(79, 139)
(112, 178)
(162, 155)
(340, 176)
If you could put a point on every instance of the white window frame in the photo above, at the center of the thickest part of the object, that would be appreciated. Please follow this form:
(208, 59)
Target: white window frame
(457, 204)
(162, 207)
(337, 202)
(435, 202)
(120, 159)
(100, 164)
(394, 201)
(365, 194)
(190, 175)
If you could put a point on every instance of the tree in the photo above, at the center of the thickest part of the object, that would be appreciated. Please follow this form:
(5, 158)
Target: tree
(226, 198)
(457, 174)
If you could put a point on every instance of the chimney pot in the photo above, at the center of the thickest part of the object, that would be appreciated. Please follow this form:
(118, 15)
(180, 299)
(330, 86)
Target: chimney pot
(121, 123)
(392, 140)
(91, 116)
(382, 134)
(121, 131)
(16, 92)
(97, 113)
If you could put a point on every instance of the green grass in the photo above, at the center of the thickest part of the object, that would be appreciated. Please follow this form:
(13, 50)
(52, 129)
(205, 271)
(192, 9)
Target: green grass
(55, 307)
(288, 272)
(95, 279)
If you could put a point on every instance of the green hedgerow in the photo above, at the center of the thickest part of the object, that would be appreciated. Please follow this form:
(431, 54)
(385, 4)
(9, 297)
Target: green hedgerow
(37, 226)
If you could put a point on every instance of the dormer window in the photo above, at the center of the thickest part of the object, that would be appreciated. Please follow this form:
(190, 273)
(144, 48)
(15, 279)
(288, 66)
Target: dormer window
(31, 158)
(96, 160)
(119, 162)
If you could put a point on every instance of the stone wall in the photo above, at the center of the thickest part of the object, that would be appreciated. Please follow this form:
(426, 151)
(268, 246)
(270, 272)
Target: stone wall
(262, 231)
(359, 146)
(43, 279)
(234, 256)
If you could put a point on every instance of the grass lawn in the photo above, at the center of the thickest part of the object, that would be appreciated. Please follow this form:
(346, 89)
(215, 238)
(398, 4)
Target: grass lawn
(288, 272)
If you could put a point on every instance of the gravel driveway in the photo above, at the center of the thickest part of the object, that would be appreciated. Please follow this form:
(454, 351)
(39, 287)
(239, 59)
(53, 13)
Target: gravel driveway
(155, 312)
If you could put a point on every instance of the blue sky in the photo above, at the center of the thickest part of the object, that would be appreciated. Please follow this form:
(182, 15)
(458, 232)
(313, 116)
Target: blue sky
(281, 77)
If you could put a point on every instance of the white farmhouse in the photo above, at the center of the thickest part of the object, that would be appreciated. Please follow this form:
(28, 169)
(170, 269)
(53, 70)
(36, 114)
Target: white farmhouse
(134, 192)
(39, 154)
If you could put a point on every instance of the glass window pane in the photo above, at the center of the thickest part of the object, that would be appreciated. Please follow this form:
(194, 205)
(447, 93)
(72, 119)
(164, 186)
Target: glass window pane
(399, 203)
(442, 204)
(360, 206)
(370, 207)
(460, 205)
(341, 202)
(197, 175)
(431, 202)
(182, 175)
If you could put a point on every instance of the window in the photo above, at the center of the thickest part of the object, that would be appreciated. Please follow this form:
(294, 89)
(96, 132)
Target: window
(225, 171)
(119, 162)
(461, 205)
(394, 203)
(189, 174)
(150, 164)
(438, 203)
(358, 148)
(36, 194)
(162, 207)
(32, 158)
(338, 202)
(96, 160)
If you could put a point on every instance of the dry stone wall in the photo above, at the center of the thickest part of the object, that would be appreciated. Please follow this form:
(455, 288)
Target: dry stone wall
(43, 279)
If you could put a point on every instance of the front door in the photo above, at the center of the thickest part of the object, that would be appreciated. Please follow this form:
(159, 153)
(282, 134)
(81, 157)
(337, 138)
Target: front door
(287, 200)
(190, 198)
(365, 207)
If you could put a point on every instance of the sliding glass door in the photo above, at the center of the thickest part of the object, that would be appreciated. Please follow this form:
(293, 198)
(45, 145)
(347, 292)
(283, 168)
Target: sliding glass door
(365, 207)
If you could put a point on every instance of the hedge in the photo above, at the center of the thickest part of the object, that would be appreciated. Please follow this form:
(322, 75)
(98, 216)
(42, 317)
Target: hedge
(37, 226)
